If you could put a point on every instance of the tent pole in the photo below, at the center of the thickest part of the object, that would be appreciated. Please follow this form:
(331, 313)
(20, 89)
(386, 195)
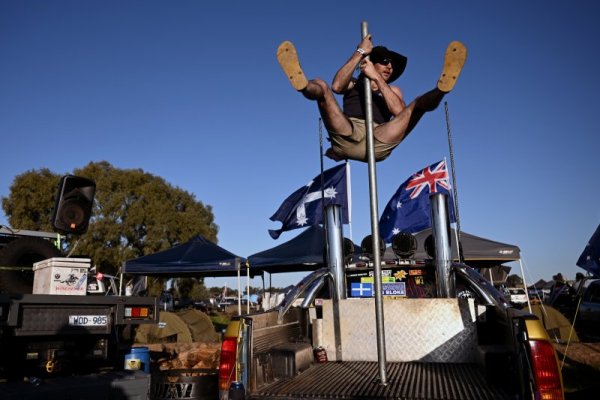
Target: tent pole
(120, 281)
(525, 285)
(270, 289)
(237, 265)
(262, 277)
(248, 287)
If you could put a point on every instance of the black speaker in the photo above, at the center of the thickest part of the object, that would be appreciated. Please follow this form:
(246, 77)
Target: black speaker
(404, 245)
(366, 246)
(348, 249)
(73, 207)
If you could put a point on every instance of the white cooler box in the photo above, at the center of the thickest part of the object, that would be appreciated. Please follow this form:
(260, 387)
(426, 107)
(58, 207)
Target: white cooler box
(61, 276)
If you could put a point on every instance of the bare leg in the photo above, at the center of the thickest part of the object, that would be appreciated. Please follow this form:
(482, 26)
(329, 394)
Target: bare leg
(316, 89)
(397, 129)
(331, 113)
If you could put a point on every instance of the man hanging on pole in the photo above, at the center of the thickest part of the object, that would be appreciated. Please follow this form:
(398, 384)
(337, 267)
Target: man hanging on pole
(393, 120)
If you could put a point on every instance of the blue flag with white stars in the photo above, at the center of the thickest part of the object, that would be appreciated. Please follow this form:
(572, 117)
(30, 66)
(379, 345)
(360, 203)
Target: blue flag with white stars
(305, 206)
(409, 209)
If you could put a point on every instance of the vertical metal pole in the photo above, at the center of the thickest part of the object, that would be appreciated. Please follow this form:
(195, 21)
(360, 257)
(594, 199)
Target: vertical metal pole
(381, 356)
(335, 252)
(239, 281)
(443, 254)
(454, 187)
(525, 286)
(335, 260)
(248, 287)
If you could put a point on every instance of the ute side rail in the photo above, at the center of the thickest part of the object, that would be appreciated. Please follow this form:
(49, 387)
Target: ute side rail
(309, 286)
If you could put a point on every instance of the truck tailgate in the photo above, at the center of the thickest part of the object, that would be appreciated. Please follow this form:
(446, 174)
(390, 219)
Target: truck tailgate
(406, 381)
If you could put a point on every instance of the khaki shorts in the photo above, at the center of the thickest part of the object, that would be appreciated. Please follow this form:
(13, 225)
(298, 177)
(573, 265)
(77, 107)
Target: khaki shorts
(354, 147)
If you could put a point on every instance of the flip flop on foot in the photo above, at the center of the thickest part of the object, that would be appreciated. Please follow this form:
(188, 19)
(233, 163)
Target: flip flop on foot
(288, 59)
(456, 54)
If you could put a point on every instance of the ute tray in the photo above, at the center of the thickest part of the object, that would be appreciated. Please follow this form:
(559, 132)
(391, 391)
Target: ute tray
(406, 381)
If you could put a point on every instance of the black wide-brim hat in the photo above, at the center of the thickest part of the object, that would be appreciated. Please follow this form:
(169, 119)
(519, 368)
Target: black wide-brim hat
(380, 53)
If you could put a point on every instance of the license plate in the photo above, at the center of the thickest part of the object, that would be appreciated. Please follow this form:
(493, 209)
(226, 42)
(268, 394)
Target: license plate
(88, 320)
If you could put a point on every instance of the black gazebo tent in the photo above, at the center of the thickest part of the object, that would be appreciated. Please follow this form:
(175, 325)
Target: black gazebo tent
(478, 252)
(197, 257)
(305, 252)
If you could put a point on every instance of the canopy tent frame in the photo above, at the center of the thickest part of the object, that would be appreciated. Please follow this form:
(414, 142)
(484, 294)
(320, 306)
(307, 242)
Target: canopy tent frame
(199, 257)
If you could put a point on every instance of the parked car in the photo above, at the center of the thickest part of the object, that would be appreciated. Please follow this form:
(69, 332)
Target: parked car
(588, 317)
(536, 294)
(206, 305)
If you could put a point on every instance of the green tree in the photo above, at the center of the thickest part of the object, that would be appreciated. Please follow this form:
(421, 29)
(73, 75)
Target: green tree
(135, 213)
(31, 200)
(192, 288)
(514, 280)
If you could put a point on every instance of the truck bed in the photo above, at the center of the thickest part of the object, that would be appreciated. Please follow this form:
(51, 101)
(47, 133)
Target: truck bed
(406, 381)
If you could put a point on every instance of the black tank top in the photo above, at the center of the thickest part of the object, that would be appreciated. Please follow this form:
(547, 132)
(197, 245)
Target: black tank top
(354, 103)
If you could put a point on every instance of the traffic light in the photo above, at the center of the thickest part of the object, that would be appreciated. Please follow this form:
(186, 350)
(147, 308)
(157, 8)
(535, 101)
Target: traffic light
(73, 207)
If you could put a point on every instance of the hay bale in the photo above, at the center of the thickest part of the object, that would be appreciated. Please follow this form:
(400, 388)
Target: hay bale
(170, 329)
(557, 325)
(200, 326)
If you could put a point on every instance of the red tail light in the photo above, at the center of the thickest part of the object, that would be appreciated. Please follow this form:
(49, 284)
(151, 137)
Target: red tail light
(547, 374)
(227, 363)
(137, 312)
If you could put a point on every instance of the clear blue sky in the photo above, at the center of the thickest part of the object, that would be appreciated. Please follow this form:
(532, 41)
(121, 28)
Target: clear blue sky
(191, 91)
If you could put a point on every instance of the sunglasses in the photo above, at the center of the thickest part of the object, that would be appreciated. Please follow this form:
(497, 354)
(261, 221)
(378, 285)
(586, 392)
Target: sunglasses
(384, 61)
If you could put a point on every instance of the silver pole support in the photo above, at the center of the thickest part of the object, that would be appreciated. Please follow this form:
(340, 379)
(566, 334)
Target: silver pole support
(443, 255)
(381, 356)
(335, 252)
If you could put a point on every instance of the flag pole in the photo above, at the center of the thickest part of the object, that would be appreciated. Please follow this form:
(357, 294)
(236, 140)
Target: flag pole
(454, 188)
(321, 158)
(381, 356)
(349, 198)
(324, 220)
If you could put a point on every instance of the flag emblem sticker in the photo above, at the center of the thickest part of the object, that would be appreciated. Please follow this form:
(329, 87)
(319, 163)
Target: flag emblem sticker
(361, 289)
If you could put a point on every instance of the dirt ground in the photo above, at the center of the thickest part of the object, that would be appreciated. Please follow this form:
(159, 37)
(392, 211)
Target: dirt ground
(581, 369)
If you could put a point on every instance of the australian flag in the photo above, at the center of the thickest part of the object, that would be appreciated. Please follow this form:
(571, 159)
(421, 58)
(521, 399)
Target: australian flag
(590, 257)
(409, 209)
(305, 206)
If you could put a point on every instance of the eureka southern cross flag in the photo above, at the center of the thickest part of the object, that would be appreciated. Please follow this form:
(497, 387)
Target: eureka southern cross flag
(409, 209)
(304, 207)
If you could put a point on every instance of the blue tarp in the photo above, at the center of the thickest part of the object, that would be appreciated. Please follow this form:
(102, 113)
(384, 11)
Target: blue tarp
(197, 258)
